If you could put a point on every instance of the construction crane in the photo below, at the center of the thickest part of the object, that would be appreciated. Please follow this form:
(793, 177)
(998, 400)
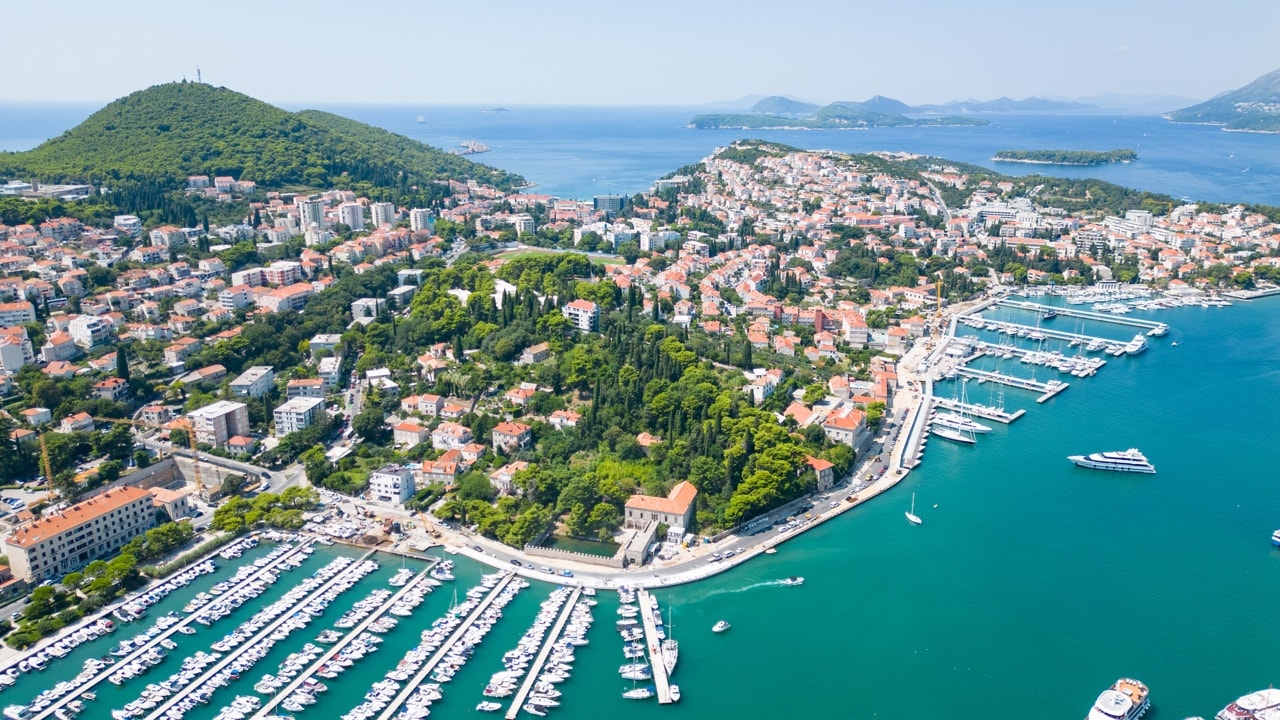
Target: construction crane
(191, 439)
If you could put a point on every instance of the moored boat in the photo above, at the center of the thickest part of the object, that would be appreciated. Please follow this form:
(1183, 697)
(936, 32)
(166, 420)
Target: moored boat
(1126, 699)
(1261, 705)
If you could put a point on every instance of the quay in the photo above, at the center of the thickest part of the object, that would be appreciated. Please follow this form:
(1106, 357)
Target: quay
(1047, 390)
(531, 678)
(655, 650)
(1083, 314)
(1048, 334)
(982, 411)
(139, 651)
(255, 640)
(287, 690)
(412, 686)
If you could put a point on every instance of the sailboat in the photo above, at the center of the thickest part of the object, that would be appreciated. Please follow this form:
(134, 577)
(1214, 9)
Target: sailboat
(911, 514)
(670, 649)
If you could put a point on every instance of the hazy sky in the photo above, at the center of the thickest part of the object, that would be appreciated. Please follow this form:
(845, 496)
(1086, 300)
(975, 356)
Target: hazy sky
(659, 52)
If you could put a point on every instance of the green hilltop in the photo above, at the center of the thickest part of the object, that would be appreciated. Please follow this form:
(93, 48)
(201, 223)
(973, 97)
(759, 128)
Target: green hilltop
(1254, 107)
(165, 133)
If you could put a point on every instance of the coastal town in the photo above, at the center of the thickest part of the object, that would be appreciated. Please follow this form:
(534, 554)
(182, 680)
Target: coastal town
(471, 375)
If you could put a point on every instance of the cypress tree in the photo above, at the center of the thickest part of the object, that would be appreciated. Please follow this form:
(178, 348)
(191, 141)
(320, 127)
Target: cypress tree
(122, 364)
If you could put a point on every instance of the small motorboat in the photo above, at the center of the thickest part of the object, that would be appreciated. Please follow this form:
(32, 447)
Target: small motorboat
(720, 626)
(793, 580)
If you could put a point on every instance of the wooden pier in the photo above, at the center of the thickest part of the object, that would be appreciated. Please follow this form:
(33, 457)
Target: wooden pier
(287, 690)
(655, 648)
(412, 686)
(93, 682)
(535, 669)
(255, 639)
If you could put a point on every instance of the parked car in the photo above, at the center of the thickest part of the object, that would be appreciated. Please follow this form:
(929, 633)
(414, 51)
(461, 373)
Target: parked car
(566, 573)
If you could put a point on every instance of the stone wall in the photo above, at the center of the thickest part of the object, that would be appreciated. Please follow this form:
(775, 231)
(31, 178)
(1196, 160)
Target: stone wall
(554, 553)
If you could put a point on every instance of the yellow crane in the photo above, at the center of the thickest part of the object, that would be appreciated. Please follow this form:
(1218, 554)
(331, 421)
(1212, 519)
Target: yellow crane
(191, 439)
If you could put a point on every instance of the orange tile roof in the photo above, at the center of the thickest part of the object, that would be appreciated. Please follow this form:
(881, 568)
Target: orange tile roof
(76, 515)
(677, 502)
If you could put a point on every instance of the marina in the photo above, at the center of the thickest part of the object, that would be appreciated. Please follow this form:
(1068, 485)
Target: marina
(535, 669)
(653, 643)
(1082, 314)
(1047, 389)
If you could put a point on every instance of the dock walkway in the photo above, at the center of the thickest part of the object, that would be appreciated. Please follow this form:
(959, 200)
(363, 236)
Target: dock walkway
(981, 411)
(536, 668)
(139, 651)
(412, 686)
(1084, 314)
(655, 650)
(1047, 390)
(255, 640)
(287, 690)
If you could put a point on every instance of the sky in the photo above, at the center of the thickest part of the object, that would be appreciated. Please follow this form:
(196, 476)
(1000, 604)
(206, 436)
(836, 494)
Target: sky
(657, 52)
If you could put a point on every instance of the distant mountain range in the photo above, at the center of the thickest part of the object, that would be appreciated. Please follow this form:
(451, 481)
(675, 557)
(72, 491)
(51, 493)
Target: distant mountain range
(778, 105)
(1252, 108)
(778, 113)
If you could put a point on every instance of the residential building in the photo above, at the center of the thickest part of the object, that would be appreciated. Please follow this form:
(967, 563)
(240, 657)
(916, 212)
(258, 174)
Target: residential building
(297, 414)
(112, 388)
(847, 427)
(383, 213)
(217, 423)
(824, 471)
(254, 382)
(17, 313)
(156, 414)
(305, 388)
(584, 314)
(408, 434)
(509, 437)
(59, 347)
(351, 215)
(450, 435)
(503, 479)
(235, 297)
(561, 419)
(88, 331)
(310, 212)
(81, 421)
(439, 470)
(675, 510)
(54, 545)
(12, 357)
(324, 342)
(37, 416)
(173, 502)
(283, 273)
(392, 483)
(420, 220)
(330, 371)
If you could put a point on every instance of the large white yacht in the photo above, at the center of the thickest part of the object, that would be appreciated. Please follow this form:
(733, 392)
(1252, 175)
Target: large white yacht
(1261, 704)
(956, 421)
(1130, 460)
(1136, 345)
(1125, 700)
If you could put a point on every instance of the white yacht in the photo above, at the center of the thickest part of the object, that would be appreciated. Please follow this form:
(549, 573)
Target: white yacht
(953, 434)
(1137, 345)
(722, 625)
(1125, 700)
(956, 421)
(670, 654)
(1260, 705)
(1131, 460)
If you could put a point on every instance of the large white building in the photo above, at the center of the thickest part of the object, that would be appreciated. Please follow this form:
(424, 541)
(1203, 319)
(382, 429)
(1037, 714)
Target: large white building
(383, 213)
(89, 331)
(17, 313)
(254, 382)
(352, 215)
(51, 547)
(420, 220)
(283, 273)
(217, 423)
(297, 414)
(310, 212)
(584, 314)
(392, 483)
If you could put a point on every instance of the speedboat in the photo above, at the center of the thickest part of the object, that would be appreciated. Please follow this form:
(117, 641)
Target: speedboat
(1275, 538)
(640, 693)
(488, 706)
(723, 625)
(793, 580)
(674, 690)
(1125, 700)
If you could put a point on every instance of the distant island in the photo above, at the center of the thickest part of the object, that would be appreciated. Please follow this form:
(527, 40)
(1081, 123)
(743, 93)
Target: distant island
(1252, 108)
(1066, 157)
(779, 113)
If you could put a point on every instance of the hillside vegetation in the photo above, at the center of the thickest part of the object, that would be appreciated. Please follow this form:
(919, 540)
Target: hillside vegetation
(1254, 107)
(166, 132)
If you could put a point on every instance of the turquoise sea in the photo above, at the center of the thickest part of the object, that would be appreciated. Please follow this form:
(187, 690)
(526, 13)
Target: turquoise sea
(1030, 587)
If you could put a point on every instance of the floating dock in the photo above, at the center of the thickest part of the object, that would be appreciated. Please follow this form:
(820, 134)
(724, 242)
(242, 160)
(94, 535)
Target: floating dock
(655, 647)
(411, 686)
(269, 705)
(531, 678)
(138, 652)
(1084, 314)
(255, 640)
(981, 411)
(1047, 389)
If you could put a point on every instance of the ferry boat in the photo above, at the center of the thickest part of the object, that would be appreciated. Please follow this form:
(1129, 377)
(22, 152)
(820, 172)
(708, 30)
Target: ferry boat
(1131, 460)
(1125, 700)
(1261, 705)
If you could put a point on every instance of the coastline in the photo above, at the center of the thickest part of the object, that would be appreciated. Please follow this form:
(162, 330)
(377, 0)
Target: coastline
(1064, 164)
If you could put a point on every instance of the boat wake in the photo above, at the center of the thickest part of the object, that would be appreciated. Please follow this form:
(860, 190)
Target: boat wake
(753, 586)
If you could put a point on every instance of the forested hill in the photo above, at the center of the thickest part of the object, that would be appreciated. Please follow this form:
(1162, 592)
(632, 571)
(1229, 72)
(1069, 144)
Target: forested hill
(167, 132)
